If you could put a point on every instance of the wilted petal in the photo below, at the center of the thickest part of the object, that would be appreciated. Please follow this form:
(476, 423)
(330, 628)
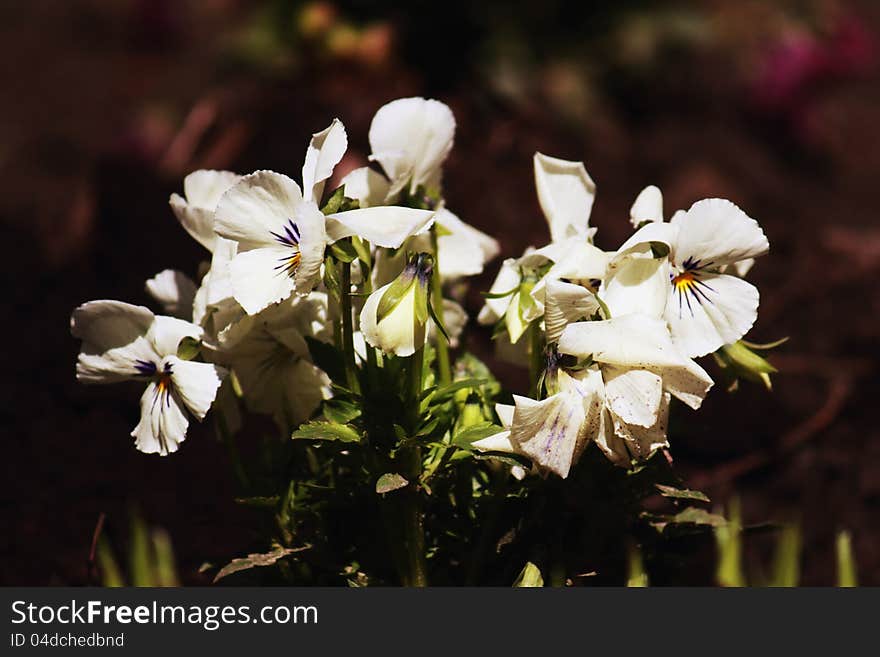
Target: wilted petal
(637, 282)
(633, 395)
(564, 304)
(636, 340)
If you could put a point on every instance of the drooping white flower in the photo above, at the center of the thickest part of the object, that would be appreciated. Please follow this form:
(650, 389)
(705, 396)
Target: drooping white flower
(394, 317)
(411, 138)
(640, 368)
(122, 342)
(270, 357)
(281, 234)
(202, 190)
(566, 193)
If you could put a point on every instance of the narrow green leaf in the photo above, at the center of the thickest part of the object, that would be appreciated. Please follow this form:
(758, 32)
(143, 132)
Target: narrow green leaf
(340, 411)
(786, 561)
(334, 202)
(269, 502)
(637, 577)
(111, 573)
(437, 321)
(846, 561)
(728, 538)
(681, 493)
(474, 433)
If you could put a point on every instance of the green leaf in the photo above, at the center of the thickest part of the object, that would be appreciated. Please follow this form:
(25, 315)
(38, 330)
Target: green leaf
(637, 577)
(529, 577)
(443, 393)
(728, 538)
(474, 433)
(256, 559)
(846, 562)
(331, 277)
(188, 348)
(363, 252)
(334, 202)
(390, 481)
(328, 358)
(786, 561)
(326, 431)
(681, 493)
(343, 251)
(340, 411)
(766, 346)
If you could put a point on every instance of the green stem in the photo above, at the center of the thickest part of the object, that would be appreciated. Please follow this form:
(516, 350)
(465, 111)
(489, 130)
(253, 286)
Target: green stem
(347, 330)
(444, 369)
(412, 515)
(536, 358)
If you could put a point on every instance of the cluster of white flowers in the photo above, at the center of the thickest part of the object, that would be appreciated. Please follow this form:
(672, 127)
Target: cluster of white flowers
(622, 327)
(617, 331)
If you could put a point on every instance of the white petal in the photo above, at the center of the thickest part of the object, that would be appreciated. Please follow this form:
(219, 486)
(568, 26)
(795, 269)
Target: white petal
(507, 280)
(637, 282)
(648, 206)
(398, 333)
(714, 310)
(497, 442)
(578, 260)
(325, 151)
(688, 383)
(313, 240)
(256, 282)
(465, 250)
(112, 334)
(202, 190)
(566, 193)
(516, 323)
(636, 340)
(715, 232)
(633, 395)
(196, 383)
(205, 187)
(565, 303)
(547, 431)
(163, 423)
(505, 414)
(653, 232)
(175, 291)
(166, 333)
(613, 446)
(386, 226)
(410, 138)
(368, 186)
(259, 205)
(641, 441)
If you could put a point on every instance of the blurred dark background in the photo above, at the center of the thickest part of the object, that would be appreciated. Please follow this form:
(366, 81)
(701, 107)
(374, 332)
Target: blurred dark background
(106, 105)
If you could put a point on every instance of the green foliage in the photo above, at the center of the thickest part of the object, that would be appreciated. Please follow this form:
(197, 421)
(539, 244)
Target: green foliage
(529, 577)
(150, 558)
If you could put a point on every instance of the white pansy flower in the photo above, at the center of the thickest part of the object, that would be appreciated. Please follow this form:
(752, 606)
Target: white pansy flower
(281, 234)
(202, 190)
(122, 342)
(270, 357)
(174, 291)
(566, 193)
(411, 138)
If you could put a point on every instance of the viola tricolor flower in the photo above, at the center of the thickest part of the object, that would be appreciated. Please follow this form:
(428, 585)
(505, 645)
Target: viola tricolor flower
(122, 342)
